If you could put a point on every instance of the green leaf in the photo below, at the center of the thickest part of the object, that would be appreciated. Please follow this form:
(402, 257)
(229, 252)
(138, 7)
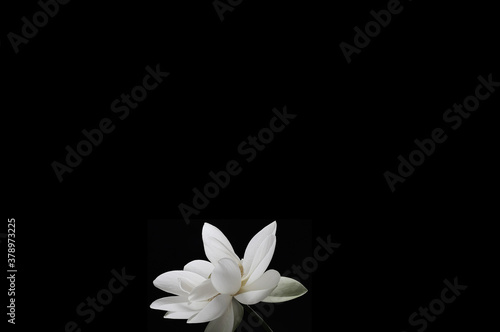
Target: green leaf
(287, 289)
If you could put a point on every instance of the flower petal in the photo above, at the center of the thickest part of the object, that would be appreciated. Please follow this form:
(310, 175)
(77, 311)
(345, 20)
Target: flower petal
(288, 289)
(204, 291)
(270, 279)
(214, 309)
(260, 289)
(169, 281)
(261, 259)
(180, 314)
(216, 245)
(165, 303)
(224, 323)
(201, 267)
(177, 303)
(226, 276)
(238, 313)
(255, 243)
(186, 285)
(233, 314)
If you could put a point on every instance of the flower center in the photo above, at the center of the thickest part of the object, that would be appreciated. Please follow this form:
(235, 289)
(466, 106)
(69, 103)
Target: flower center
(243, 281)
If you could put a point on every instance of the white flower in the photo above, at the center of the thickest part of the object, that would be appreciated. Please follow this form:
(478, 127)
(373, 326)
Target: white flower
(212, 291)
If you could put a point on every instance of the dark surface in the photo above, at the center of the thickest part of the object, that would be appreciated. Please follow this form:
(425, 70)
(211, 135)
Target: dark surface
(353, 121)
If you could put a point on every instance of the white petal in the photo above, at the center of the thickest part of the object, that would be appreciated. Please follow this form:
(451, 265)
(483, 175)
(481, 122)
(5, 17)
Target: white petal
(238, 313)
(269, 279)
(226, 276)
(186, 285)
(261, 259)
(201, 267)
(214, 309)
(224, 323)
(169, 281)
(180, 314)
(165, 303)
(204, 291)
(177, 303)
(288, 289)
(217, 246)
(255, 243)
(260, 289)
(233, 314)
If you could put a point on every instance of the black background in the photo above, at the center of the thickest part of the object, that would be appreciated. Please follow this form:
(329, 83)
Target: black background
(326, 166)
